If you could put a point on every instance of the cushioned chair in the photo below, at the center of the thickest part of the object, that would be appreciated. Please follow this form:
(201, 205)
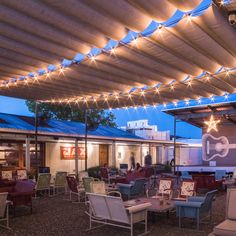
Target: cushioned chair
(21, 174)
(21, 194)
(185, 175)
(98, 187)
(195, 207)
(109, 210)
(220, 174)
(59, 182)
(165, 189)
(86, 183)
(228, 227)
(187, 189)
(43, 183)
(4, 210)
(135, 189)
(75, 188)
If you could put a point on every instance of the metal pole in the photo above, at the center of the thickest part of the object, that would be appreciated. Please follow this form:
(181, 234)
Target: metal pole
(36, 131)
(174, 144)
(76, 159)
(86, 140)
(27, 153)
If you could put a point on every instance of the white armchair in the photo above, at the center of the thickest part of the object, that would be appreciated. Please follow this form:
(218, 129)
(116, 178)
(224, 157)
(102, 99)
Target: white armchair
(109, 210)
(228, 227)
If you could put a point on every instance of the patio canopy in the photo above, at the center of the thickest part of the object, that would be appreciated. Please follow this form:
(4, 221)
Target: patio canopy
(108, 54)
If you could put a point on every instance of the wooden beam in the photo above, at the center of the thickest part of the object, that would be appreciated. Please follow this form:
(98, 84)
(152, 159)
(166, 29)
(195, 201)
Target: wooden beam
(206, 114)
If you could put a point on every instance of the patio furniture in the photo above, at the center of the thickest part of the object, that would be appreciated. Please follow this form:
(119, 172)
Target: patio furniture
(4, 215)
(185, 175)
(43, 183)
(7, 174)
(165, 189)
(109, 210)
(195, 207)
(75, 189)
(187, 189)
(135, 189)
(228, 227)
(157, 205)
(59, 182)
(21, 174)
(86, 183)
(207, 182)
(21, 194)
(98, 187)
(220, 174)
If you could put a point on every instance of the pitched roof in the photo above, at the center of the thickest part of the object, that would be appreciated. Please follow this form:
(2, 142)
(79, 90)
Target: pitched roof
(26, 124)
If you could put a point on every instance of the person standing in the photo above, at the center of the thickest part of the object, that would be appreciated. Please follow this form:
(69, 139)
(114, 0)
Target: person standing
(148, 159)
(132, 161)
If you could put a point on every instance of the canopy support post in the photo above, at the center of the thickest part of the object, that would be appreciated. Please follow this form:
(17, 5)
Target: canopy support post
(36, 131)
(175, 121)
(76, 159)
(27, 153)
(86, 139)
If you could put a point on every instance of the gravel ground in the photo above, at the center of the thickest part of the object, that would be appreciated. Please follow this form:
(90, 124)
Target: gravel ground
(55, 216)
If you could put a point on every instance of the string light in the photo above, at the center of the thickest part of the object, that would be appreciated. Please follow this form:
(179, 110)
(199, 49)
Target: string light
(199, 101)
(212, 98)
(226, 96)
(157, 90)
(187, 102)
(129, 95)
(142, 93)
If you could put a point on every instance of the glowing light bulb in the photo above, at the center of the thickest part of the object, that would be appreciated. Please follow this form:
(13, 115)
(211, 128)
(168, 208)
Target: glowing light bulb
(189, 83)
(142, 93)
(187, 102)
(226, 96)
(164, 105)
(94, 99)
(157, 90)
(129, 95)
(105, 99)
(117, 97)
(199, 101)
(113, 51)
(93, 58)
(172, 87)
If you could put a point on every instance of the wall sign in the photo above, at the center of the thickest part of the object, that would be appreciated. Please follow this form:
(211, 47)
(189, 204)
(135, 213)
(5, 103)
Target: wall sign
(68, 153)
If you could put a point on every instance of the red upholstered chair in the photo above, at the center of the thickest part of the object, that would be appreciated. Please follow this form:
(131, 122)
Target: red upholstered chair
(21, 194)
(206, 182)
(75, 188)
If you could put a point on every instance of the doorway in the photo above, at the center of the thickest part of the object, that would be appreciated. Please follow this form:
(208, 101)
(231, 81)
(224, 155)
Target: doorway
(103, 154)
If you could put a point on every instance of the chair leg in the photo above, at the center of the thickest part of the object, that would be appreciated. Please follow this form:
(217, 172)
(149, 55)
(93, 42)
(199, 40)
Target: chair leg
(198, 220)
(131, 225)
(7, 215)
(180, 217)
(146, 223)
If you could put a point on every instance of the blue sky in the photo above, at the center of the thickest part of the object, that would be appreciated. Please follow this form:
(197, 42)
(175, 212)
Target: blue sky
(155, 116)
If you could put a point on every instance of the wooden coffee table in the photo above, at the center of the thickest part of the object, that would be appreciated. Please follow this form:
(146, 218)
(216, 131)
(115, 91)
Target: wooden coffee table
(155, 207)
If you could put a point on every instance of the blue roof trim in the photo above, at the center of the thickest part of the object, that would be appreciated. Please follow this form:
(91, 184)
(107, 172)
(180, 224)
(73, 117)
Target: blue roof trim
(63, 127)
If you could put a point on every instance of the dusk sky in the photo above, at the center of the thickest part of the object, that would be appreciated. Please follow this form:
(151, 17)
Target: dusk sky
(155, 117)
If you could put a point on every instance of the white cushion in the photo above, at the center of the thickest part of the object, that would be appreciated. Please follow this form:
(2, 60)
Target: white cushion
(231, 208)
(226, 228)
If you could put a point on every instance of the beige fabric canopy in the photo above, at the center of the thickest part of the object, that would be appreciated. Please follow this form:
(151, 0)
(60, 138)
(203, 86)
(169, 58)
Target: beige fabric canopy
(172, 63)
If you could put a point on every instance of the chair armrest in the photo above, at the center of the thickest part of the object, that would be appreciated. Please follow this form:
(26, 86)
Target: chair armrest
(196, 199)
(114, 192)
(188, 204)
(138, 208)
(120, 185)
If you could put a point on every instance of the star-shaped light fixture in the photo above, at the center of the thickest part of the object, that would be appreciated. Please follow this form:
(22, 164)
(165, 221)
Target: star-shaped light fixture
(212, 124)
